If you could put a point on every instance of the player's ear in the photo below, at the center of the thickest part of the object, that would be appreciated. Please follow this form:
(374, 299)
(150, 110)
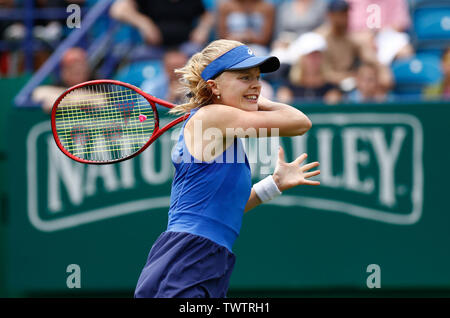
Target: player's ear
(213, 86)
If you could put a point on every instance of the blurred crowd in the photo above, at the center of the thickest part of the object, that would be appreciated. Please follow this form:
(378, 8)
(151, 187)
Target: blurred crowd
(331, 51)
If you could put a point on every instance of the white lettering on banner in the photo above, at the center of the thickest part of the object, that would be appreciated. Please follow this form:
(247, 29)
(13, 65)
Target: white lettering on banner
(325, 157)
(127, 179)
(387, 159)
(355, 158)
(106, 173)
(69, 172)
(350, 148)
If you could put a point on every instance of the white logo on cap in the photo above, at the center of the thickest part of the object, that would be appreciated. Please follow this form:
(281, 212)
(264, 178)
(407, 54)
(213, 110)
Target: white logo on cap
(250, 52)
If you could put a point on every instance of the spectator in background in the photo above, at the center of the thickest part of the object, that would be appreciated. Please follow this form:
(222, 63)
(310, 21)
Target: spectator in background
(306, 81)
(74, 69)
(294, 18)
(441, 90)
(174, 60)
(168, 86)
(5, 55)
(344, 53)
(163, 23)
(247, 21)
(367, 86)
(4, 24)
(47, 30)
(382, 24)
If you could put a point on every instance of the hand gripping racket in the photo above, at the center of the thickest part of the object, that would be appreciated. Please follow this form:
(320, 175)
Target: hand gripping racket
(106, 121)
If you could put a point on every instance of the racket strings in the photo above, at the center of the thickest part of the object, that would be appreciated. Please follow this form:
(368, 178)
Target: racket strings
(104, 122)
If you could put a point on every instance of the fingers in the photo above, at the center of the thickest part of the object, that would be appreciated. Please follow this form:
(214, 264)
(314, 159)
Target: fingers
(309, 166)
(281, 154)
(311, 174)
(300, 159)
(309, 182)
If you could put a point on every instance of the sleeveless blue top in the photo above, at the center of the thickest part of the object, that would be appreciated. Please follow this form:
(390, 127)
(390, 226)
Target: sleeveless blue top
(208, 198)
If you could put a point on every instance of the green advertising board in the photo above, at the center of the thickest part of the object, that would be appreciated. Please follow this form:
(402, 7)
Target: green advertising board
(379, 221)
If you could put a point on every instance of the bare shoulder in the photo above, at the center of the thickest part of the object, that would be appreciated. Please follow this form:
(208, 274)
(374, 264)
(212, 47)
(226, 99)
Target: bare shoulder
(214, 110)
(223, 117)
(213, 114)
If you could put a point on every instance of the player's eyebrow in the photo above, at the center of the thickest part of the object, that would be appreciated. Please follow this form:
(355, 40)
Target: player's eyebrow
(250, 71)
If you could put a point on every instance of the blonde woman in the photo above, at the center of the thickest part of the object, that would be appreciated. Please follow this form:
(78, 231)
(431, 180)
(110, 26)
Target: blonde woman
(212, 188)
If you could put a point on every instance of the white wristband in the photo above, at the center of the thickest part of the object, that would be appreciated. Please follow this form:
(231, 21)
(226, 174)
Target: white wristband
(266, 189)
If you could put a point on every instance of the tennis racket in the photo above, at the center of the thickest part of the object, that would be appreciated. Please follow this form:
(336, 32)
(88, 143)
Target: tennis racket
(106, 121)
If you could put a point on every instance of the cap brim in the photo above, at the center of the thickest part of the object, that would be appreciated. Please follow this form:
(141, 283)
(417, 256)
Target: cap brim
(266, 64)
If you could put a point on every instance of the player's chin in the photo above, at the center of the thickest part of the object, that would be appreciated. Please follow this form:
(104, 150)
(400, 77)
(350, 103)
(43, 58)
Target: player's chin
(250, 106)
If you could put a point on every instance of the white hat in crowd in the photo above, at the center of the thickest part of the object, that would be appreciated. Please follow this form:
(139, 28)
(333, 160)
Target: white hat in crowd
(305, 44)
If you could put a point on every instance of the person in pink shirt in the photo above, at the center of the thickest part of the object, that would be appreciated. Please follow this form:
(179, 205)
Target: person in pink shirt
(383, 25)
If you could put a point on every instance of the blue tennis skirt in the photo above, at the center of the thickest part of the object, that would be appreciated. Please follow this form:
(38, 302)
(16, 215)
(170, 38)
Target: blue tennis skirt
(184, 265)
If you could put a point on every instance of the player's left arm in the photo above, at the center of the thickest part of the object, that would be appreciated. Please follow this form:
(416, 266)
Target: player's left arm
(288, 175)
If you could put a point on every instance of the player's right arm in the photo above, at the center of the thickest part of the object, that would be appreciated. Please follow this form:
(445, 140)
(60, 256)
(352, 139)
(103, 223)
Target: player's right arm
(270, 115)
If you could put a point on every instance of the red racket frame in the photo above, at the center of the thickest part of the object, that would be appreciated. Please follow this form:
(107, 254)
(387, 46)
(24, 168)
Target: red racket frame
(151, 99)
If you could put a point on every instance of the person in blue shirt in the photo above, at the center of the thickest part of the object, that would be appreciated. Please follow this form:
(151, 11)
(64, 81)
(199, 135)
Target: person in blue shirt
(212, 187)
(368, 88)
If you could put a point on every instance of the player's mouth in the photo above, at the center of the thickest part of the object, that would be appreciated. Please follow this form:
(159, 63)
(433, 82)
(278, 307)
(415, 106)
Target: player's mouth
(252, 98)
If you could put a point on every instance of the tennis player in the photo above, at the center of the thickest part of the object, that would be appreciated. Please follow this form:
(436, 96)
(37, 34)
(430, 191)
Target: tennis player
(212, 189)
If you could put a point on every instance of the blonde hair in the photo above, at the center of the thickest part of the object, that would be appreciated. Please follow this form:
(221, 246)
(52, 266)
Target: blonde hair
(194, 85)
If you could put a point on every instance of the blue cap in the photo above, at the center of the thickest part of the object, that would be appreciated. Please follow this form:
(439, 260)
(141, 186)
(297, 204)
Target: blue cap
(240, 58)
